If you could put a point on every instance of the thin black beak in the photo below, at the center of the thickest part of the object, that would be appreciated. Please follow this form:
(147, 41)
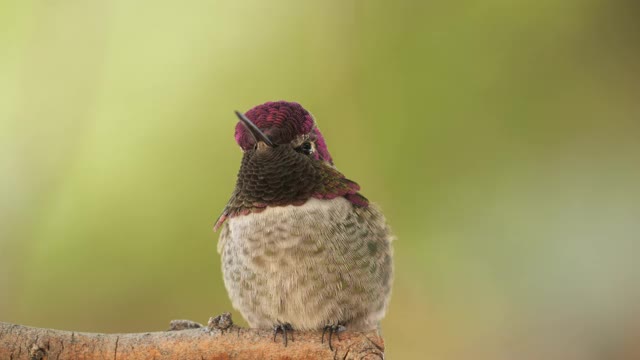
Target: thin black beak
(254, 130)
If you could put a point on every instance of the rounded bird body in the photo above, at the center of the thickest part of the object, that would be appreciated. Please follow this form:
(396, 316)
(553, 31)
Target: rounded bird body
(299, 245)
(324, 262)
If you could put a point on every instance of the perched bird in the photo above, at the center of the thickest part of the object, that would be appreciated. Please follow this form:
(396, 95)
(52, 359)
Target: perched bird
(301, 247)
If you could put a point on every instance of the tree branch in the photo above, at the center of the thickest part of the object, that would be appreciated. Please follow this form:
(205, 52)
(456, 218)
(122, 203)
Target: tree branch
(22, 342)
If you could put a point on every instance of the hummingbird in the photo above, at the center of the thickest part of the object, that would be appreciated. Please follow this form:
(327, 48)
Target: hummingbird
(301, 248)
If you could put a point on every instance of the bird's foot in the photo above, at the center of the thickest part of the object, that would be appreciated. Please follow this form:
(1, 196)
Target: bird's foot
(282, 328)
(332, 329)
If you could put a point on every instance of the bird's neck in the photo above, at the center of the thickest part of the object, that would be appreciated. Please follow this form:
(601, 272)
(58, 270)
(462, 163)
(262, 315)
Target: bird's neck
(285, 179)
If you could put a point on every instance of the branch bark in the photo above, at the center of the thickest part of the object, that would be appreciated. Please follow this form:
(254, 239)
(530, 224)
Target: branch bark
(19, 342)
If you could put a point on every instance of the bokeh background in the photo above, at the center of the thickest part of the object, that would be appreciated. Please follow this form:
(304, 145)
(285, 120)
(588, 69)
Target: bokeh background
(501, 138)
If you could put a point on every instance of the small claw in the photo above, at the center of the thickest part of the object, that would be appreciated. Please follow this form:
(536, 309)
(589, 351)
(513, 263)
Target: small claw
(283, 328)
(284, 333)
(330, 335)
(332, 329)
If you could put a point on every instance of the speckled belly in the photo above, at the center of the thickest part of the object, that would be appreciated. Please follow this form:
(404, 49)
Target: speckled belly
(325, 262)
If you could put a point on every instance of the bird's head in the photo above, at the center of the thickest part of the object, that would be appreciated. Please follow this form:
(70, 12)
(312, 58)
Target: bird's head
(281, 124)
(285, 162)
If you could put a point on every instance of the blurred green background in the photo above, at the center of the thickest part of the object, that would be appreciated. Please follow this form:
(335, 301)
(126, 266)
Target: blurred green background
(501, 138)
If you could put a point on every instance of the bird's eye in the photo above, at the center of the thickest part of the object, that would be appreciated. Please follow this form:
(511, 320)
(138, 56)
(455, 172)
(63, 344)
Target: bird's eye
(306, 148)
